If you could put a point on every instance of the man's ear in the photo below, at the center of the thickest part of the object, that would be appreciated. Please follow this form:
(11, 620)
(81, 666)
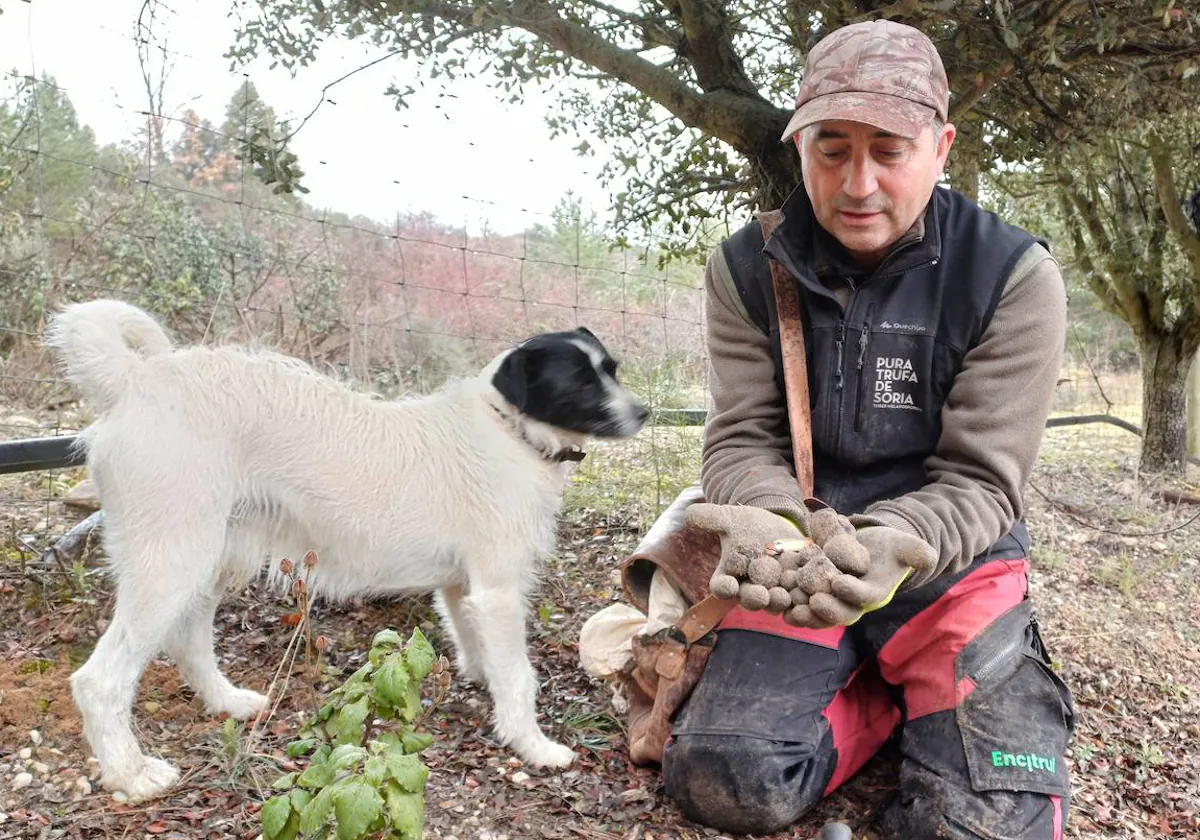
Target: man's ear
(512, 377)
(944, 141)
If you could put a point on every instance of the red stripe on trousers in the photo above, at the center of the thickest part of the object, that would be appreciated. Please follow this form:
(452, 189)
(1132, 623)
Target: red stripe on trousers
(920, 656)
(861, 717)
(763, 622)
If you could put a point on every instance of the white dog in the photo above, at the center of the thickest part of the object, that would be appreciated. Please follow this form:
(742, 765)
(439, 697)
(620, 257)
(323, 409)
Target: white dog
(211, 462)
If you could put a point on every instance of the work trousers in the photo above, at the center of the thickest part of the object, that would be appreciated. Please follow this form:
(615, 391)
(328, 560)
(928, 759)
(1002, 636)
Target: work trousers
(783, 716)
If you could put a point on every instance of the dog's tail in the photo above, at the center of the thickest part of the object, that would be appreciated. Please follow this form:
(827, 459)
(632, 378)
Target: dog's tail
(101, 345)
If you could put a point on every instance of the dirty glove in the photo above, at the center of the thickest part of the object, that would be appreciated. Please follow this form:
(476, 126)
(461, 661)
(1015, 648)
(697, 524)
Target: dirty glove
(808, 569)
(890, 555)
(846, 572)
(746, 570)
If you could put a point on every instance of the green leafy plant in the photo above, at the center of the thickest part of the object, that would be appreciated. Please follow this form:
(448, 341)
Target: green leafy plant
(364, 777)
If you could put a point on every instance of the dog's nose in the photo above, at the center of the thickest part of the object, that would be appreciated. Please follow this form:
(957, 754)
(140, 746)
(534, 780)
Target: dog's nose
(642, 413)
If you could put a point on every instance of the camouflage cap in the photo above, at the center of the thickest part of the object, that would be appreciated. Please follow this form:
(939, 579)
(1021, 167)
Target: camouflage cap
(879, 72)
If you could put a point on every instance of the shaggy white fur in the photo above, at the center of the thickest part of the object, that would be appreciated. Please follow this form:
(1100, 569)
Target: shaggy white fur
(211, 463)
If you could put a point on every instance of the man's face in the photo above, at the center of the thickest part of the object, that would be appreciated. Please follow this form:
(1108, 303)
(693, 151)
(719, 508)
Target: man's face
(867, 187)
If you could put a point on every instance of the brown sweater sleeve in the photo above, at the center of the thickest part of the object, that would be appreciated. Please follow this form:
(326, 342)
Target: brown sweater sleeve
(992, 421)
(747, 457)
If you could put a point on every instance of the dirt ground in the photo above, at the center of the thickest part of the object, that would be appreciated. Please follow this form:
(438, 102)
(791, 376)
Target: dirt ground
(1116, 578)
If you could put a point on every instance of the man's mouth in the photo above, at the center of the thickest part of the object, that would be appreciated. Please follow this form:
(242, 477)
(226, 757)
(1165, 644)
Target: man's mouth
(859, 217)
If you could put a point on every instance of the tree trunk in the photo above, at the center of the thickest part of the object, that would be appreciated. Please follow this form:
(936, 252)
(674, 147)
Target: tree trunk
(1164, 399)
(964, 160)
(775, 173)
(1193, 408)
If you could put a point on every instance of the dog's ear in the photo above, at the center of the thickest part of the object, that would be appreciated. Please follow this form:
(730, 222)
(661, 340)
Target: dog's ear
(514, 374)
(588, 333)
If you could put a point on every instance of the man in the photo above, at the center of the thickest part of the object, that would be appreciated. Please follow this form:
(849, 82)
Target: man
(934, 336)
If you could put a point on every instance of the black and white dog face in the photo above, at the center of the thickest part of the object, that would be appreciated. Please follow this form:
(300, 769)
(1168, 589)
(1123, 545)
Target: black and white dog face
(568, 380)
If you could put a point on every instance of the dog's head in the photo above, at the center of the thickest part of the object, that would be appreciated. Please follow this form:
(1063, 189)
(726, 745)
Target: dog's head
(568, 380)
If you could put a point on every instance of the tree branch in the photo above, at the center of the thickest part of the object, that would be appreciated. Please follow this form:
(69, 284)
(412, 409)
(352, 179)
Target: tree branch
(1109, 286)
(1164, 186)
(709, 46)
(980, 89)
(1131, 222)
(741, 118)
(653, 32)
(1091, 272)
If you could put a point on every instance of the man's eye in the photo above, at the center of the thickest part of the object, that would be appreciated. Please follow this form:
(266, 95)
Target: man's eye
(831, 154)
(890, 154)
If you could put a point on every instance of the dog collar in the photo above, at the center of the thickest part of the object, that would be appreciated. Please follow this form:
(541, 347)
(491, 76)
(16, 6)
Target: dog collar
(570, 453)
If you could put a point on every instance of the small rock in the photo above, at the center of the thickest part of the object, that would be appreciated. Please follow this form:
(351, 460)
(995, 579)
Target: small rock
(25, 754)
(151, 707)
(83, 787)
(22, 781)
(836, 831)
(35, 737)
(3, 818)
(53, 795)
(40, 769)
(520, 777)
(120, 796)
(83, 495)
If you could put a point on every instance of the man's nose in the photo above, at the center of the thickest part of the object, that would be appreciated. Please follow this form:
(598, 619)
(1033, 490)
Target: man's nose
(860, 179)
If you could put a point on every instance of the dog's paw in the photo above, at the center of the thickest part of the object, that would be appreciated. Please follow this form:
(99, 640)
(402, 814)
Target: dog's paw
(548, 753)
(154, 777)
(241, 703)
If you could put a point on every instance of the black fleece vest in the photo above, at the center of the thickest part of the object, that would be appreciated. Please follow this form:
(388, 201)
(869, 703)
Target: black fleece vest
(880, 370)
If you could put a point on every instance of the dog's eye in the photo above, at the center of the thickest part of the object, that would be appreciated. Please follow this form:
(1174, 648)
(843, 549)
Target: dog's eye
(609, 367)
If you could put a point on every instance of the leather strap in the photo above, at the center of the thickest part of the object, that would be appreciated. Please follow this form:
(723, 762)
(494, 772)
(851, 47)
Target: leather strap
(795, 361)
(795, 375)
(703, 616)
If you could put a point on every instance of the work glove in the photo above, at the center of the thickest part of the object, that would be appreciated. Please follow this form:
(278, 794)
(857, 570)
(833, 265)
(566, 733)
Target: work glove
(860, 570)
(746, 570)
(814, 568)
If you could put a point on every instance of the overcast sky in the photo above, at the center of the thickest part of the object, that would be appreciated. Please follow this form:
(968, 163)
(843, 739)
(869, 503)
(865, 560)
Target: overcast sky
(465, 157)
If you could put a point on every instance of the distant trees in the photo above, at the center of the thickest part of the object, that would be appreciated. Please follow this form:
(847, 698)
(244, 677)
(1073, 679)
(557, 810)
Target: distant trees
(195, 235)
